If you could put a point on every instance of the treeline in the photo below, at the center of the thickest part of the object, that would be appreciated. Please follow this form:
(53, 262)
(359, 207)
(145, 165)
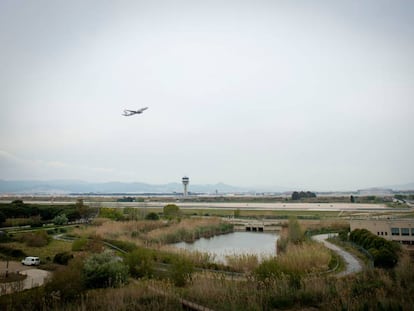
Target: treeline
(44, 213)
(302, 195)
(384, 253)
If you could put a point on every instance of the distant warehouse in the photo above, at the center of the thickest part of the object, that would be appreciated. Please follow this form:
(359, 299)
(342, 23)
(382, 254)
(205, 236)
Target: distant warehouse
(399, 230)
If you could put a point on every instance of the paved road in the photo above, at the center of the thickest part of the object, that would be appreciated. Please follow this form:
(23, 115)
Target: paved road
(352, 264)
(35, 277)
(244, 206)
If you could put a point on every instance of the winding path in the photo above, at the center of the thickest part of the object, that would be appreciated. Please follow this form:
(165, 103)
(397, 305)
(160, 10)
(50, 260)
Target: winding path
(352, 264)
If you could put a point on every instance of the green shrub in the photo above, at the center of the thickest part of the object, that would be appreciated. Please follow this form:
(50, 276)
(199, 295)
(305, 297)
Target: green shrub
(104, 270)
(268, 269)
(60, 220)
(79, 245)
(384, 252)
(181, 271)
(152, 216)
(171, 211)
(111, 213)
(141, 263)
(296, 234)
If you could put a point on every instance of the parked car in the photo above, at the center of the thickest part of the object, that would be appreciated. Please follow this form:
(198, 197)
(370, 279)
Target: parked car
(31, 261)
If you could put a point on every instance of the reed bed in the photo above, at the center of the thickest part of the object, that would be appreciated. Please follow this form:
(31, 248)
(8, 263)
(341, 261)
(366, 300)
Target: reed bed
(131, 231)
(307, 257)
(136, 296)
(199, 259)
(245, 263)
(155, 233)
(371, 290)
(188, 230)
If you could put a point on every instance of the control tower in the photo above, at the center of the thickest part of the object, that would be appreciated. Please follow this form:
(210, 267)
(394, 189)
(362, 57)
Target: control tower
(185, 181)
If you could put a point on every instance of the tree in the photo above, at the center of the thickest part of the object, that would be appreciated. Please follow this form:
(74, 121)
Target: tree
(60, 220)
(295, 195)
(171, 211)
(104, 270)
(299, 195)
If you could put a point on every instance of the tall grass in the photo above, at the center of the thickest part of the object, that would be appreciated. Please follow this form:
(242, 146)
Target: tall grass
(245, 263)
(188, 230)
(305, 258)
(371, 290)
(131, 231)
(156, 232)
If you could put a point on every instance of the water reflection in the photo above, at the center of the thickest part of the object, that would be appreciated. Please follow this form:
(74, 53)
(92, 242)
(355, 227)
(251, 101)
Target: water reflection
(236, 243)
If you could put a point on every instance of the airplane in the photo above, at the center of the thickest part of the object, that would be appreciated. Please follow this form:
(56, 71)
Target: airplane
(128, 113)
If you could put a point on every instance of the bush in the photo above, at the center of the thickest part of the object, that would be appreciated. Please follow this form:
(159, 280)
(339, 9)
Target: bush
(79, 245)
(152, 216)
(36, 239)
(268, 269)
(111, 213)
(296, 234)
(11, 252)
(66, 282)
(2, 218)
(4, 237)
(181, 271)
(60, 220)
(104, 270)
(171, 211)
(62, 258)
(384, 252)
(140, 263)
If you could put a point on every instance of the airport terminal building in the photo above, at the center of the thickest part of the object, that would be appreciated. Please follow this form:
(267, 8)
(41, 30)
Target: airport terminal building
(399, 230)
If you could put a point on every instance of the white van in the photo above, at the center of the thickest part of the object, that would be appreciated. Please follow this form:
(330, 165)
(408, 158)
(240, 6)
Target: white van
(31, 261)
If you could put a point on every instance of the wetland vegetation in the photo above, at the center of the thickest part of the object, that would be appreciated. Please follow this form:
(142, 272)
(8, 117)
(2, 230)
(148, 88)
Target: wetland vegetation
(123, 261)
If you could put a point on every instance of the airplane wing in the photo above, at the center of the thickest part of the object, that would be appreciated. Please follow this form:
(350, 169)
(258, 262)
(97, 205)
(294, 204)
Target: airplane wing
(142, 110)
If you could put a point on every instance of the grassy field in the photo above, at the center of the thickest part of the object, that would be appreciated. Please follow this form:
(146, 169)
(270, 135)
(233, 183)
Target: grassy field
(45, 253)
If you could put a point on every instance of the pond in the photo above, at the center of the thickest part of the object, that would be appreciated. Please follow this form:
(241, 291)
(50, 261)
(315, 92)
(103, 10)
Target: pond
(235, 243)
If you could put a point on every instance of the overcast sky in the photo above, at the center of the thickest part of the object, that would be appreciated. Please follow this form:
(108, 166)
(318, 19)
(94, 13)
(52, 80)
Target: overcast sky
(313, 95)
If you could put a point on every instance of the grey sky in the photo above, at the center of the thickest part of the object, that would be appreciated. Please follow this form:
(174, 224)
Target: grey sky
(304, 94)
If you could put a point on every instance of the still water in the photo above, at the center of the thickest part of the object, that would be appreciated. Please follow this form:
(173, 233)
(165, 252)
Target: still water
(236, 243)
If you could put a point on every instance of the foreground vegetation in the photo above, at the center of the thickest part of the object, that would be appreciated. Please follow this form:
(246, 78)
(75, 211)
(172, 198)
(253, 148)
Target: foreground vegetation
(144, 274)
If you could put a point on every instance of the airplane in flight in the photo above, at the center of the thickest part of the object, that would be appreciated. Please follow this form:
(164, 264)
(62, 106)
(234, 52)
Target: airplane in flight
(128, 113)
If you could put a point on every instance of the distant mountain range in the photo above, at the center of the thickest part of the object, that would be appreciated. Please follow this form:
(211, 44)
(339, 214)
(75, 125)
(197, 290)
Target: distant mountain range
(76, 186)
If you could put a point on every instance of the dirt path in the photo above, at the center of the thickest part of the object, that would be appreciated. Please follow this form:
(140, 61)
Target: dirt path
(352, 263)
